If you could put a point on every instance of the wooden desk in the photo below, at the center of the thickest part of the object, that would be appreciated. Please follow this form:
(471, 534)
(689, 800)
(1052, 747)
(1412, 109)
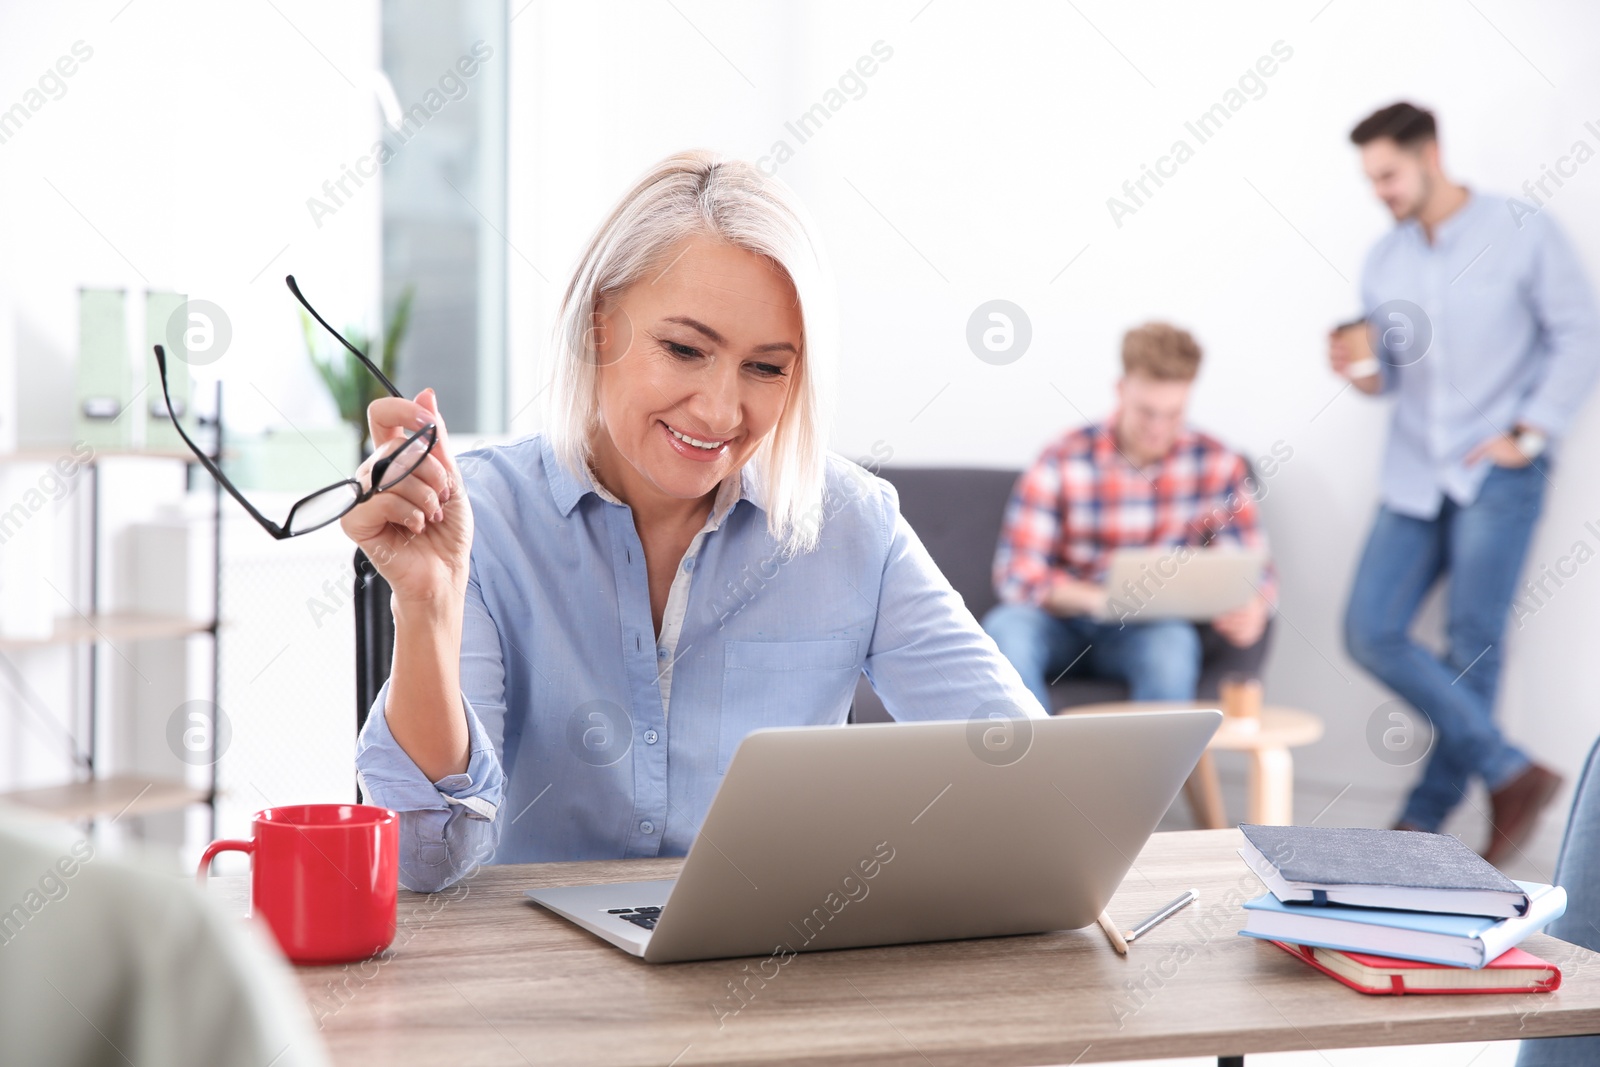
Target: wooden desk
(478, 975)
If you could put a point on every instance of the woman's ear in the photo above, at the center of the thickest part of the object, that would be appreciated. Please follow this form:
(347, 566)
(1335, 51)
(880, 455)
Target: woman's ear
(610, 333)
(597, 329)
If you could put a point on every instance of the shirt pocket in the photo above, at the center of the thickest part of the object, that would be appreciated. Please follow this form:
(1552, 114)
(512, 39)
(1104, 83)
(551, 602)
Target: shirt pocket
(783, 683)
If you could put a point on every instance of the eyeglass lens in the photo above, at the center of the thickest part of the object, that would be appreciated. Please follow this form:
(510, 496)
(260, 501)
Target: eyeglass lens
(406, 459)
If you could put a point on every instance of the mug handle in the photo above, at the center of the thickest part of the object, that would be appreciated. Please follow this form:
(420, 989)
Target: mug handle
(224, 845)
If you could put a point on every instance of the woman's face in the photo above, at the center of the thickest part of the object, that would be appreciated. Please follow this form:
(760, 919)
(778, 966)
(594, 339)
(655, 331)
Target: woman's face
(695, 363)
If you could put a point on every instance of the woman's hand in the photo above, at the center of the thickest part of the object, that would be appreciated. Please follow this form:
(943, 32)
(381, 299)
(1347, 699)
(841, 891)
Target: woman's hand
(418, 533)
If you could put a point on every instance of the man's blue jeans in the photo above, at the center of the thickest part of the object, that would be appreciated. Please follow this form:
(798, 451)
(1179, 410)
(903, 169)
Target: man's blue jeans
(1481, 548)
(1158, 660)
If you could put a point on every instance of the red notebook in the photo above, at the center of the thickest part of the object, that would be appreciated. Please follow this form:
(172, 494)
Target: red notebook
(1513, 971)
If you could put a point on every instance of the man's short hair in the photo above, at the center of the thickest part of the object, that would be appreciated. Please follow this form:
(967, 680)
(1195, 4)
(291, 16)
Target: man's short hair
(1406, 124)
(1161, 351)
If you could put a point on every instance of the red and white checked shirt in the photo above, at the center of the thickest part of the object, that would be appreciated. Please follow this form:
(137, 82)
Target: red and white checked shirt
(1081, 500)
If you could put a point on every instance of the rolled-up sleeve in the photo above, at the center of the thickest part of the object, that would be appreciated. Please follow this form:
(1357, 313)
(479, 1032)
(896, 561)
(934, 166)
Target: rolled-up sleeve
(448, 826)
(929, 658)
(1027, 562)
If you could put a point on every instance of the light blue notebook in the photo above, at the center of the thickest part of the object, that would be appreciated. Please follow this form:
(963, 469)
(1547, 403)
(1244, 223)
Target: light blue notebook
(1432, 937)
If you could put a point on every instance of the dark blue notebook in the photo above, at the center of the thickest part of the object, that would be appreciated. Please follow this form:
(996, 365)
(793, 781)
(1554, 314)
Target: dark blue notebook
(1379, 869)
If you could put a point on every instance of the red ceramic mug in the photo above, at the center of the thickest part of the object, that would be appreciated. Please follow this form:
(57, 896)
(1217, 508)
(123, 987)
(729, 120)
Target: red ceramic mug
(325, 877)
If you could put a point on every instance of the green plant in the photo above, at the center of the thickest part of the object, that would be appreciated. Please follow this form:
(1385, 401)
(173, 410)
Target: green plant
(352, 385)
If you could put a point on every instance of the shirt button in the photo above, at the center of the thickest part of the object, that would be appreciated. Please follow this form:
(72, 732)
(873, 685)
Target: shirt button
(648, 827)
(661, 653)
(650, 737)
(688, 564)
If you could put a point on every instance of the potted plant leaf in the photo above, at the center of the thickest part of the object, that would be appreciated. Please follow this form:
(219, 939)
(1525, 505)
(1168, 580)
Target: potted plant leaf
(352, 385)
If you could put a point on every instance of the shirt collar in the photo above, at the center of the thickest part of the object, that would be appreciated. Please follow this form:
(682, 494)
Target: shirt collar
(1448, 226)
(1106, 449)
(566, 488)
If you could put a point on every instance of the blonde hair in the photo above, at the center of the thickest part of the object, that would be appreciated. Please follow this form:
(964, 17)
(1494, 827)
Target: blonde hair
(701, 193)
(1161, 351)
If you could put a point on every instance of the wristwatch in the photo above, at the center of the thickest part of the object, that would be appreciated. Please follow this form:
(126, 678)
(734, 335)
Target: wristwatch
(1530, 442)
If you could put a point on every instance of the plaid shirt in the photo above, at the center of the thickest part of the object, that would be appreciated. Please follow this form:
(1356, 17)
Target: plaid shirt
(1083, 499)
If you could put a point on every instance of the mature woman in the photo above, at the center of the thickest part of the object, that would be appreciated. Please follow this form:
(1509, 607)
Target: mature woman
(589, 620)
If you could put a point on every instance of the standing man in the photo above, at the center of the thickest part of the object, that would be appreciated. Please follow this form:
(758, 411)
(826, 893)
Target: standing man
(1142, 478)
(1485, 333)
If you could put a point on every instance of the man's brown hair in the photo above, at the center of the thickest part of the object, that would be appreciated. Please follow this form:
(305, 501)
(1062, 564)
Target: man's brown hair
(1406, 124)
(1161, 351)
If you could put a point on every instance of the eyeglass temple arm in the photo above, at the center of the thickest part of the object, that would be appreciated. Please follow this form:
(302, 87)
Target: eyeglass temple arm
(205, 460)
(362, 356)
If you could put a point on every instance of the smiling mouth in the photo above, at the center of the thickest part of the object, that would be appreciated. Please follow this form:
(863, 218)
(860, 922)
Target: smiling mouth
(707, 446)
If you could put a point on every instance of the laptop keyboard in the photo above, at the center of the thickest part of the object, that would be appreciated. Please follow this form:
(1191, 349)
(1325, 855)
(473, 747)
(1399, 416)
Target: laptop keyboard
(645, 917)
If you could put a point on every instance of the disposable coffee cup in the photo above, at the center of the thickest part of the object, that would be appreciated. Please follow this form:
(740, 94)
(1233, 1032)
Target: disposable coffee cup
(1363, 363)
(1240, 696)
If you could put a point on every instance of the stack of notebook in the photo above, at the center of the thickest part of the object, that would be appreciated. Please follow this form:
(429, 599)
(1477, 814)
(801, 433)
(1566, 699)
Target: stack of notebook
(1392, 911)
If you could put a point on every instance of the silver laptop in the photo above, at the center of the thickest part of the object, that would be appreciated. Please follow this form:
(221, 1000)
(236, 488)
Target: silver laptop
(1161, 583)
(825, 837)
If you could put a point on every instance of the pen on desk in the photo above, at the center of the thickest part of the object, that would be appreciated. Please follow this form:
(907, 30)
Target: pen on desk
(1189, 896)
(1113, 935)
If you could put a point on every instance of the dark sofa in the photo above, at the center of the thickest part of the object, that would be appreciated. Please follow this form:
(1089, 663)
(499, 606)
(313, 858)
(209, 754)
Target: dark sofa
(957, 512)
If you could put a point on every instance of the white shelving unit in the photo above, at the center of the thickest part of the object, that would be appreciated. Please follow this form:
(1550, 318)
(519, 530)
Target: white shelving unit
(94, 794)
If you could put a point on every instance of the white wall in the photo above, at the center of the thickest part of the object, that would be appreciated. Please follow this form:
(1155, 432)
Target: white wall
(977, 165)
(179, 154)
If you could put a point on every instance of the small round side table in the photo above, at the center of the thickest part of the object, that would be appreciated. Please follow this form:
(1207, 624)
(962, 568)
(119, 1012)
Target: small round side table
(1271, 765)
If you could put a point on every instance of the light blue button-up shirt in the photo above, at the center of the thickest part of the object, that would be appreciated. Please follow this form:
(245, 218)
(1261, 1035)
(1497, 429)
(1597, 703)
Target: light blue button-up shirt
(1514, 338)
(567, 687)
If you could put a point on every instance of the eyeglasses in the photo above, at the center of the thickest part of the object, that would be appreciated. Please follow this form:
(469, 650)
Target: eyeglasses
(328, 505)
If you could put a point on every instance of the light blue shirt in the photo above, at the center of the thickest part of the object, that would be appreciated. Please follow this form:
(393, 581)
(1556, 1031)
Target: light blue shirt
(1515, 338)
(592, 738)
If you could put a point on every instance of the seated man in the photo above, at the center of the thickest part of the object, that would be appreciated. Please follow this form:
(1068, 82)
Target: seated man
(1140, 479)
